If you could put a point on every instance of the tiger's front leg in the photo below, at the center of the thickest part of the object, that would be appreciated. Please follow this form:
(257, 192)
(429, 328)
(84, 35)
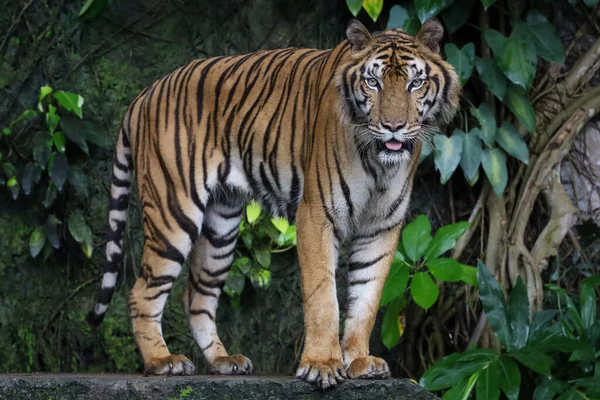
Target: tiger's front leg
(369, 265)
(321, 361)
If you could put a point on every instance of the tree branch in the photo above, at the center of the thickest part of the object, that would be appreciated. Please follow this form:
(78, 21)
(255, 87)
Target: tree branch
(583, 70)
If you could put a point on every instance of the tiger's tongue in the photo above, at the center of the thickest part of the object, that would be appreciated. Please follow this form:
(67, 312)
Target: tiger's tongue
(393, 145)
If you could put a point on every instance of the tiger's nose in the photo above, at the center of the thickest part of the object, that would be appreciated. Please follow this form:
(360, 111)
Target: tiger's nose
(393, 126)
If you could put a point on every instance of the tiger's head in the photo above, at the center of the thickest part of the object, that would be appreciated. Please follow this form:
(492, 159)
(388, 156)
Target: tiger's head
(397, 88)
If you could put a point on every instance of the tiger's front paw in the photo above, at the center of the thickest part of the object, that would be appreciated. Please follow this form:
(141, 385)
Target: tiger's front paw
(324, 374)
(236, 364)
(368, 368)
(174, 364)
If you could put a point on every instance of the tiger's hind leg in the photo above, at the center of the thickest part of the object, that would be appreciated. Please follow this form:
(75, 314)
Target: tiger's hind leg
(210, 262)
(166, 247)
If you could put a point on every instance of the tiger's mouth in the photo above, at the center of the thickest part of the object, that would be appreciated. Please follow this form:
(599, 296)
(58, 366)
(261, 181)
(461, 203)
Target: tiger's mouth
(396, 146)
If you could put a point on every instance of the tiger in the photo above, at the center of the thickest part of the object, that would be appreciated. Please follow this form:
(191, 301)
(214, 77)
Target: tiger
(329, 139)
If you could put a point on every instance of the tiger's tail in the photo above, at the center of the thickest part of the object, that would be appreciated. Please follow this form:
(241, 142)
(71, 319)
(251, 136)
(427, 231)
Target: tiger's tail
(117, 219)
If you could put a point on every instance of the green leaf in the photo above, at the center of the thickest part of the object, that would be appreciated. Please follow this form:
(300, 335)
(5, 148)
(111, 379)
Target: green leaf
(252, 212)
(6, 131)
(518, 103)
(13, 185)
(234, 284)
(396, 282)
(445, 239)
(416, 236)
(457, 15)
(70, 101)
(52, 118)
(488, 387)
(554, 340)
(541, 319)
(31, 176)
(59, 141)
(591, 3)
(354, 6)
(42, 143)
(50, 196)
(487, 120)
(518, 315)
(430, 8)
(36, 241)
(92, 8)
(492, 299)
(494, 165)
(543, 35)
(549, 389)
(471, 154)
(492, 76)
(81, 132)
(79, 180)
(468, 274)
(44, 91)
(534, 360)
(263, 256)
(401, 17)
(78, 228)
(515, 57)
(424, 290)
(59, 169)
(510, 377)
(373, 8)
(588, 304)
(391, 326)
(487, 3)
(452, 369)
(281, 224)
(571, 308)
(52, 231)
(260, 278)
(27, 114)
(463, 60)
(463, 390)
(445, 269)
(447, 156)
(509, 139)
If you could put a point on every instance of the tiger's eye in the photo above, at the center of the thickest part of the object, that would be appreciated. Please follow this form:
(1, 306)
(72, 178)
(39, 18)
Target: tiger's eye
(372, 83)
(417, 84)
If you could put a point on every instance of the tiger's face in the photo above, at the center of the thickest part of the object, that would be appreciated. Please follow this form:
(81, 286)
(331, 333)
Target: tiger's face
(397, 89)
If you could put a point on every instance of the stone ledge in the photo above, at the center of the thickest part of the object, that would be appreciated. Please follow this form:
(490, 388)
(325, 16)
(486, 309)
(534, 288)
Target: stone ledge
(123, 387)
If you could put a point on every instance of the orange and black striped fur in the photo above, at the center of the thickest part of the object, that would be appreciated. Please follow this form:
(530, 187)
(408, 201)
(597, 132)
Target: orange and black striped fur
(328, 138)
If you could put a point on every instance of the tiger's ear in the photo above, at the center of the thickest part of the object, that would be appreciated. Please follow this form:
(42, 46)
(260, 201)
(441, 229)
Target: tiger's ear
(431, 34)
(358, 36)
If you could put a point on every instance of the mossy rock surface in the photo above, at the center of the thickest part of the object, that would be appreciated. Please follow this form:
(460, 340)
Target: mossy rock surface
(123, 387)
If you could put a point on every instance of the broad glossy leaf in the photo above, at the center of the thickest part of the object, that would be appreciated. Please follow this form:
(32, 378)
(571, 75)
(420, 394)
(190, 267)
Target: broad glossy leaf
(553, 339)
(494, 165)
(52, 118)
(571, 308)
(70, 101)
(452, 369)
(572, 394)
(79, 180)
(396, 282)
(373, 8)
(59, 169)
(457, 15)
(430, 8)
(260, 278)
(540, 321)
(463, 60)
(539, 31)
(59, 141)
(534, 360)
(50, 195)
(518, 103)
(471, 155)
(44, 91)
(424, 290)
(492, 299)
(52, 231)
(27, 114)
(78, 228)
(31, 176)
(390, 326)
(549, 388)
(447, 156)
(263, 256)
(235, 283)
(488, 387)
(509, 139)
(42, 143)
(588, 304)
(518, 315)
(468, 274)
(445, 239)
(487, 120)
(252, 212)
(463, 390)
(509, 377)
(36, 241)
(515, 57)
(487, 3)
(281, 224)
(354, 6)
(403, 18)
(491, 75)
(416, 236)
(445, 269)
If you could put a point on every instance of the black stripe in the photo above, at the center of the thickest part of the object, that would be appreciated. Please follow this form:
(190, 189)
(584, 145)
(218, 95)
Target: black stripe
(356, 265)
(202, 311)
